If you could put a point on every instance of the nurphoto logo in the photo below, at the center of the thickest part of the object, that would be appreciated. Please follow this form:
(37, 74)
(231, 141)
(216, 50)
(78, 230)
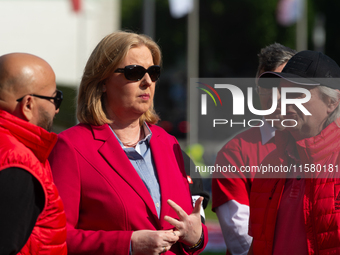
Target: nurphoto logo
(238, 99)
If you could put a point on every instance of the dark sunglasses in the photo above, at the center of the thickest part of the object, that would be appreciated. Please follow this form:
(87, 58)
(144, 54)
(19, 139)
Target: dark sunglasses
(56, 100)
(136, 72)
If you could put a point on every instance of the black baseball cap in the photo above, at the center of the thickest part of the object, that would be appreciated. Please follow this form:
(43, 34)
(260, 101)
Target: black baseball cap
(306, 68)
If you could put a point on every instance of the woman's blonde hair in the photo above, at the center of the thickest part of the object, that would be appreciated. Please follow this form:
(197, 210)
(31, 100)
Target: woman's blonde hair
(103, 61)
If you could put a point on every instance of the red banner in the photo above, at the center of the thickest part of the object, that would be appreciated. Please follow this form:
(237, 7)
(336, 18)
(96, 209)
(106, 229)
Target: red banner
(76, 5)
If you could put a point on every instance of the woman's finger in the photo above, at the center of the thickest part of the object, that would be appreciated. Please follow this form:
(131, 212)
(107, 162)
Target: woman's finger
(177, 233)
(173, 222)
(198, 203)
(179, 211)
(170, 237)
(164, 249)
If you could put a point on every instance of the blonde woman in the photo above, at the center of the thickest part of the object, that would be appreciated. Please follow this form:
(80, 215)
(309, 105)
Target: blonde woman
(122, 178)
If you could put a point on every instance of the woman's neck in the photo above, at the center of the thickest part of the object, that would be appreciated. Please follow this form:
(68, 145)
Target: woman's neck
(128, 133)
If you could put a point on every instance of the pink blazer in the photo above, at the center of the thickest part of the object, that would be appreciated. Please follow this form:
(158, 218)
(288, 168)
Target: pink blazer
(105, 199)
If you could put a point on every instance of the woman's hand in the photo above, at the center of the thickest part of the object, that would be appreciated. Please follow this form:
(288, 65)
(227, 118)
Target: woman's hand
(152, 242)
(188, 227)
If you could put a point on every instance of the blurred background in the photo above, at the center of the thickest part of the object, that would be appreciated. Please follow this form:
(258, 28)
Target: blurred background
(198, 38)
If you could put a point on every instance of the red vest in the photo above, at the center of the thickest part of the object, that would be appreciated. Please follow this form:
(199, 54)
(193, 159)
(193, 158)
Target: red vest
(245, 149)
(321, 205)
(27, 146)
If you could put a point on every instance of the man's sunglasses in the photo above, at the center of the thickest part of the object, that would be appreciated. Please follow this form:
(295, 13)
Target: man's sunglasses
(56, 100)
(136, 72)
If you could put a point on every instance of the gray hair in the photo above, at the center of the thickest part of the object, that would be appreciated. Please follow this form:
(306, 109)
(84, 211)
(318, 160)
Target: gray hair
(272, 56)
(333, 96)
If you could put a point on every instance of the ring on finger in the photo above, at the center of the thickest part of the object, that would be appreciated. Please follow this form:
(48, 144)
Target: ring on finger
(164, 249)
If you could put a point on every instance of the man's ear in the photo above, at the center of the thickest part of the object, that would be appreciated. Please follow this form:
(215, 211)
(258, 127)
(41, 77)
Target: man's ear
(26, 107)
(333, 105)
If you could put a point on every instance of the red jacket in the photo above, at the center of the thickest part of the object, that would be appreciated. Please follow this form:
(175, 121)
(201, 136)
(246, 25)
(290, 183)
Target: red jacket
(245, 149)
(321, 206)
(27, 146)
(105, 199)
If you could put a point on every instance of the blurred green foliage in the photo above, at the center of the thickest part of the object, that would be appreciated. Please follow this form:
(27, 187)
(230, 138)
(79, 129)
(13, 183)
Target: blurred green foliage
(330, 11)
(67, 115)
(213, 253)
(231, 35)
(209, 214)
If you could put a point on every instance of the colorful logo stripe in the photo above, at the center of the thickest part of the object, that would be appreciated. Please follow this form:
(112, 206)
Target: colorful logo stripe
(213, 90)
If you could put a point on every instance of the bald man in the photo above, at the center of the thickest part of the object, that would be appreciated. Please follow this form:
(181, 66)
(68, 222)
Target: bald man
(32, 218)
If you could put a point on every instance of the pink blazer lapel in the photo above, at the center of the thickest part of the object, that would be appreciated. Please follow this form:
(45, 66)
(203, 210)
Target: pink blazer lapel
(164, 165)
(112, 152)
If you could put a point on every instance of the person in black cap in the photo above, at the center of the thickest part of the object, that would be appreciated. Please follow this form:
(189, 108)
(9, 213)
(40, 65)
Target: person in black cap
(231, 191)
(295, 206)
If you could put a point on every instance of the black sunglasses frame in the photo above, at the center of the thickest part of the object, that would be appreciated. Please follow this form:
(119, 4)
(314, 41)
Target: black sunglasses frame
(56, 100)
(154, 72)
